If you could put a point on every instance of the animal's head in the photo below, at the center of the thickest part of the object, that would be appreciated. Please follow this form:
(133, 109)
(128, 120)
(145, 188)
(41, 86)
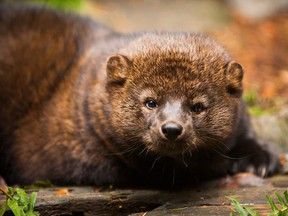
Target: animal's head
(174, 93)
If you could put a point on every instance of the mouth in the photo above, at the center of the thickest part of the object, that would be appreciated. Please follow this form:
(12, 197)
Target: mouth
(161, 146)
(170, 148)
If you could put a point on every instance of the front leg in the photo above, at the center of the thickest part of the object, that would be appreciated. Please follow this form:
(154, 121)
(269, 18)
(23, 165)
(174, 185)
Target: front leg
(249, 156)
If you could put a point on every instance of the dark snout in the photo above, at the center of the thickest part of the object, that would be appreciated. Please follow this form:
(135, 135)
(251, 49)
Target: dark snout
(171, 131)
(173, 121)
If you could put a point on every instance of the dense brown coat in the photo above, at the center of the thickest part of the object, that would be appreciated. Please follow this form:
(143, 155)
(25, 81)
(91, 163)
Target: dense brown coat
(75, 106)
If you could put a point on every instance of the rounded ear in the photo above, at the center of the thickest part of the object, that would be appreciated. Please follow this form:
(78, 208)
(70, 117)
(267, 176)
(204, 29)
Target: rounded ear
(117, 68)
(234, 75)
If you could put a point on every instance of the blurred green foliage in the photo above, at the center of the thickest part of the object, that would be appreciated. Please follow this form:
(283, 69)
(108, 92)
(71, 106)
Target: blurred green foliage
(66, 5)
(257, 106)
(69, 5)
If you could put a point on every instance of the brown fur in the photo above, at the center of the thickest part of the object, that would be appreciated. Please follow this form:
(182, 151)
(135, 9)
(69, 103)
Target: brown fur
(73, 100)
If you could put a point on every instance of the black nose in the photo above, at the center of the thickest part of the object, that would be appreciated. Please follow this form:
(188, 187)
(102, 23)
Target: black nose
(172, 131)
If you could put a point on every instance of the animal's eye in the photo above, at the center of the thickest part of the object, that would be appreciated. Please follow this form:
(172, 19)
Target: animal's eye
(198, 108)
(151, 104)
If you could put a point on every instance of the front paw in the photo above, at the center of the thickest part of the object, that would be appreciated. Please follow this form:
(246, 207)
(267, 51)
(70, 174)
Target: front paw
(261, 162)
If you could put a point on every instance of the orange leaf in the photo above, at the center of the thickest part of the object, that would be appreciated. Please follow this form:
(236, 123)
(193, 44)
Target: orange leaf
(62, 192)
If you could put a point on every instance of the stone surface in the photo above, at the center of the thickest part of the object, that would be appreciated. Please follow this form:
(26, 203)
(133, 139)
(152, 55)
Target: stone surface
(273, 129)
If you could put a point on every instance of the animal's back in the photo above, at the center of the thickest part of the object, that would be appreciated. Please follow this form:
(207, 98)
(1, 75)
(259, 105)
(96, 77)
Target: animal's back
(42, 55)
(39, 49)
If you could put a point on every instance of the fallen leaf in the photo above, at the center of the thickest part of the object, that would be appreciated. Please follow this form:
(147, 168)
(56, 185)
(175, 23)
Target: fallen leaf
(62, 192)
